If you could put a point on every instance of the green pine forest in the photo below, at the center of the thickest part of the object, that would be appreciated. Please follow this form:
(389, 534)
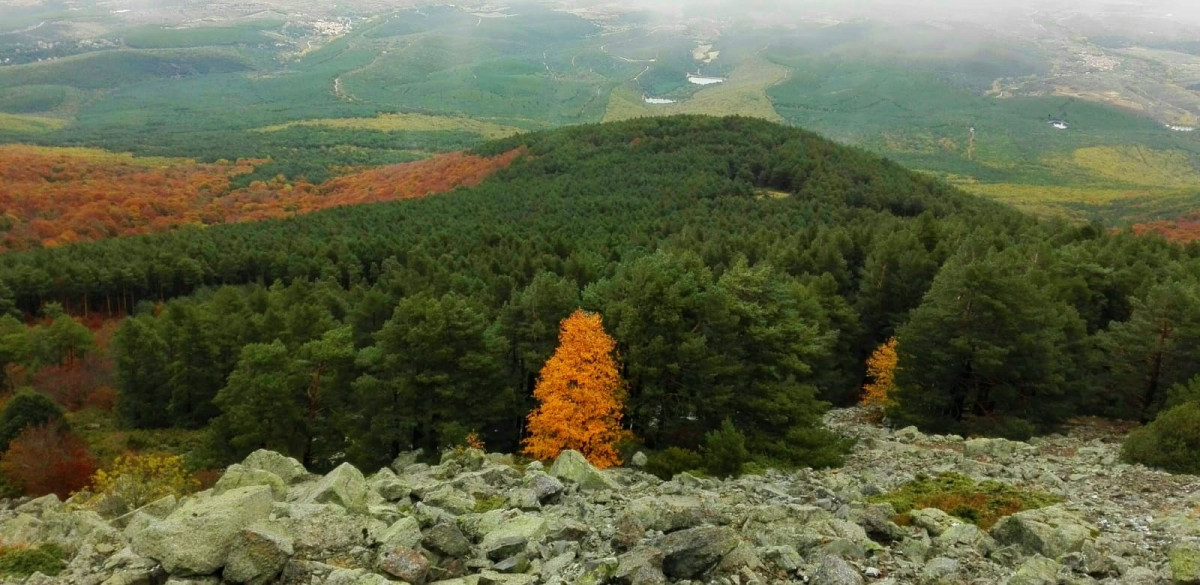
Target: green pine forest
(746, 269)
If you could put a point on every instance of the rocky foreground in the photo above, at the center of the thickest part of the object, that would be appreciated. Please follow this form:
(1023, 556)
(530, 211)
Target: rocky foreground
(476, 519)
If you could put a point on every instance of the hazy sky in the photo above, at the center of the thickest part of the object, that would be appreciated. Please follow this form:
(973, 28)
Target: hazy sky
(947, 9)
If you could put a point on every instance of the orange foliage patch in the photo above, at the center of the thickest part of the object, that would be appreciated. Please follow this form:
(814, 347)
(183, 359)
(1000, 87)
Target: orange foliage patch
(881, 368)
(391, 183)
(1185, 229)
(580, 395)
(51, 197)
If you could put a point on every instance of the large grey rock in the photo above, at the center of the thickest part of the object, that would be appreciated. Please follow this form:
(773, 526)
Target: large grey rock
(933, 520)
(240, 476)
(876, 520)
(574, 467)
(640, 565)
(523, 527)
(783, 558)
(941, 571)
(325, 530)
(153, 511)
(639, 459)
(345, 486)
(834, 571)
(196, 538)
(257, 556)
(447, 539)
(965, 536)
(1051, 532)
(37, 507)
(404, 533)
(669, 513)
(20, 529)
(1038, 570)
(689, 554)
(285, 468)
(452, 500)
(546, 488)
(389, 486)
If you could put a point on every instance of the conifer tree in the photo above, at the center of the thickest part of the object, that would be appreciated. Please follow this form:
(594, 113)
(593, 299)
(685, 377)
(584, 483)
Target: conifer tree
(580, 395)
(881, 368)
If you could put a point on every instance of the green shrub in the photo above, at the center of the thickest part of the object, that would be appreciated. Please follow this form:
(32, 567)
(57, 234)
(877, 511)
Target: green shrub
(23, 561)
(725, 451)
(814, 447)
(27, 409)
(1184, 393)
(666, 463)
(1171, 442)
(983, 503)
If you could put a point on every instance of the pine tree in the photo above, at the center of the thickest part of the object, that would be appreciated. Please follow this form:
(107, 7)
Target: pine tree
(580, 395)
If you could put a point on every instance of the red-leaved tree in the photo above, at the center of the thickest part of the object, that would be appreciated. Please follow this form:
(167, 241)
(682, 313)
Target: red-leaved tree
(48, 460)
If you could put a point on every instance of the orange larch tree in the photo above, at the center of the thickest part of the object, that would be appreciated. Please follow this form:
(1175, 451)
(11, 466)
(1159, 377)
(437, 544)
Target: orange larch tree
(881, 367)
(580, 395)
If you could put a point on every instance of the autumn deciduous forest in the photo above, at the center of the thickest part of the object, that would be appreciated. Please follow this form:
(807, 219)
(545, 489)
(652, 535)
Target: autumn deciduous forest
(738, 274)
(55, 196)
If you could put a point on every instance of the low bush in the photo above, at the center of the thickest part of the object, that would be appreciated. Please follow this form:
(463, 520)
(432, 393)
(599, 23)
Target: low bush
(980, 503)
(672, 460)
(1011, 428)
(22, 561)
(134, 480)
(1171, 442)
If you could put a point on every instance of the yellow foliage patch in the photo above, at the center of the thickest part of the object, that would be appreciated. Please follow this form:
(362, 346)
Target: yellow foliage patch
(30, 124)
(881, 368)
(134, 480)
(1138, 165)
(407, 122)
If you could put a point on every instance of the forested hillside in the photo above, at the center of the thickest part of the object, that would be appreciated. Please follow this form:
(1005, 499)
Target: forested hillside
(56, 196)
(746, 271)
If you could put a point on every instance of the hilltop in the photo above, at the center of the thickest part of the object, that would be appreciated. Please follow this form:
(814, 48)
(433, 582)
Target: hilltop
(477, 518)
(745, 272)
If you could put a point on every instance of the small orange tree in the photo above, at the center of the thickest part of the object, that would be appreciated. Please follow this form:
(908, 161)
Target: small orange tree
(881, 367)
(580, 395)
